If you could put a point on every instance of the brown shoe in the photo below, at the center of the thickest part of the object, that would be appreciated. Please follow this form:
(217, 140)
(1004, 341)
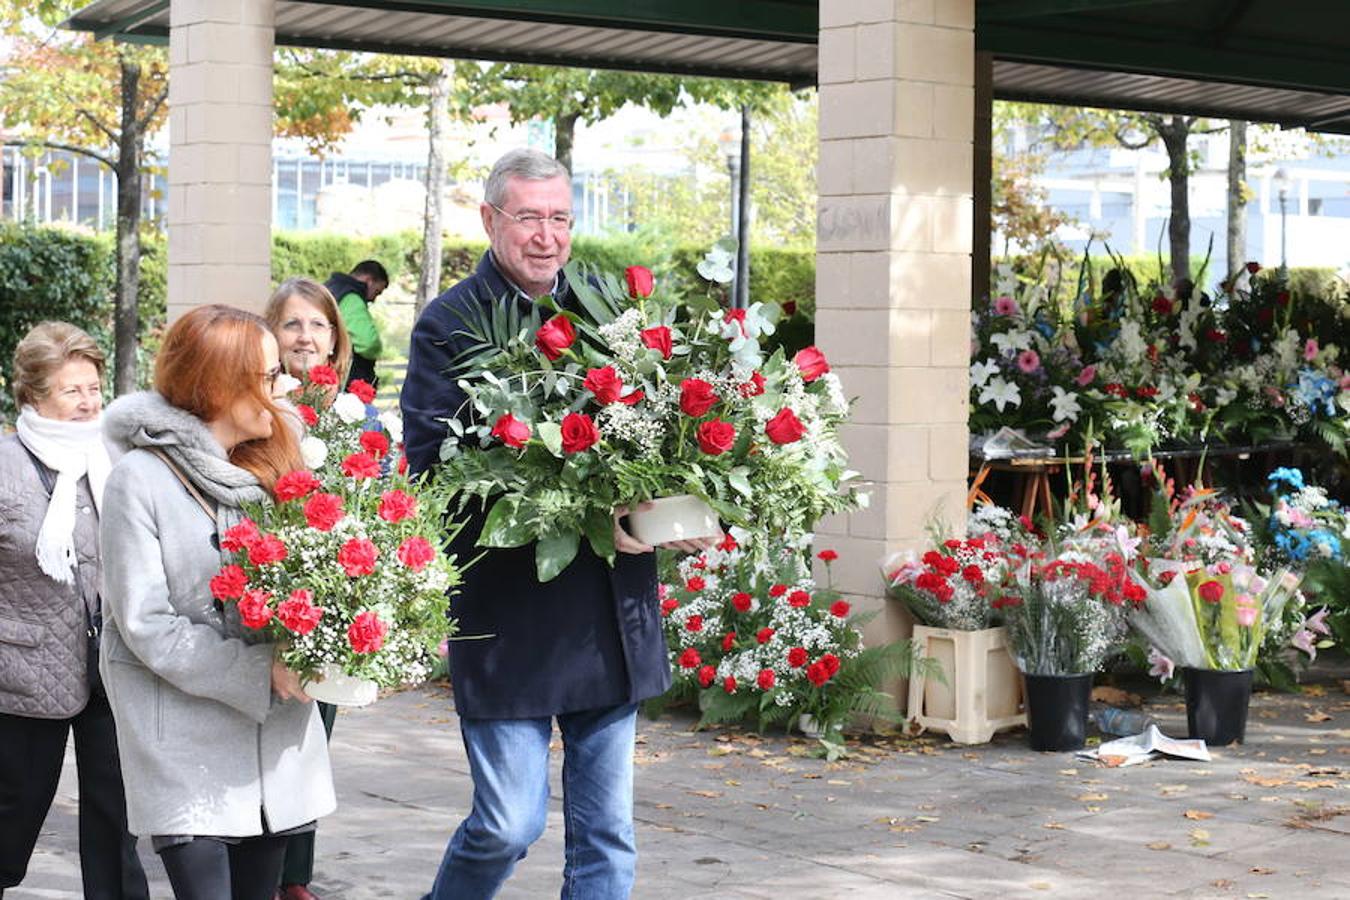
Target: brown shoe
(297, 892)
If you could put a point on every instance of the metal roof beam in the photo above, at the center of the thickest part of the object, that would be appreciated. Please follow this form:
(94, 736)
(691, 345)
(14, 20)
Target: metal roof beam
(1011, 10)
(139, 17)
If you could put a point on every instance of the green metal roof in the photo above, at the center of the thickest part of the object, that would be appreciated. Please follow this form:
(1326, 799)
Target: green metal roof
(1283, 61)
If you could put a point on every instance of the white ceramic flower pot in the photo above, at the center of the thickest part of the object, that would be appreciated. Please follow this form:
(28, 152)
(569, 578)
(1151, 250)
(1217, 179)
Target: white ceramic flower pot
(340, 689)
(679, 518)
(807, 725)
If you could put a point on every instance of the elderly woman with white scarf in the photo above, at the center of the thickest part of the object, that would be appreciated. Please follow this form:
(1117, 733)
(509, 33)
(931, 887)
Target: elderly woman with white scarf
(51, 492)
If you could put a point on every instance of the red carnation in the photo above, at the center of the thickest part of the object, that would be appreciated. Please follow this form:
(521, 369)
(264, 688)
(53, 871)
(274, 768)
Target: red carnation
(605, 384)
(578, 432)
(811, 362)
(754, 387)
(362, 389)
(307, 414)
(706, 676)
(240, 536)
(640, 281)
(298, 612)
(294, 485)
(229, 583)
(415, 552)
(395, 506)
(764, 635)
(799, 599)
(695, 584)
(765, 679)
(716, 437)
(777, 590)
(693, 623)
(555, 336)
(657, 338)
(728, 543)
(729, 684)
(323, 511)
(728, 641)
(375, 443)
(1210, 591)
(511, 431)
(668, 606)
(253, 609)
(827, 556)
(797, 657)
(366, 633)
(690, 659)
(361, 465)
(402, 466)
(817, 674)
(266, 550)
(357, 557)
(785, 427)
(741, 601)
(324, 375)
(696, 397)
(839, 609)
(830, 662)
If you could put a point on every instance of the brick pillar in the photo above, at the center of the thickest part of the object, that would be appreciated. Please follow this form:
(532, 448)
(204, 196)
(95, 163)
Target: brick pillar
(893, 276)
(220, 153)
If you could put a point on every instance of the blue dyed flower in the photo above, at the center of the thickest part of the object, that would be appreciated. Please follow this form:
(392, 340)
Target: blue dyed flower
(1286, 475)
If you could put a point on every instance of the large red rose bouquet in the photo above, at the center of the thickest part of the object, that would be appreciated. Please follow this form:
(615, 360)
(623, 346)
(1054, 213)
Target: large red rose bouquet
(345, 567)
(632, 397)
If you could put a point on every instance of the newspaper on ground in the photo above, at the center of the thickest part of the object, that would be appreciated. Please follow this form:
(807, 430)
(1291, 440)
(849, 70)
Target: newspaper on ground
(1150, 744)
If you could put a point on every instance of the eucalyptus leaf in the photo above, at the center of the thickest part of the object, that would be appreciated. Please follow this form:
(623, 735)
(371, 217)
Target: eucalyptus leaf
(551, 434)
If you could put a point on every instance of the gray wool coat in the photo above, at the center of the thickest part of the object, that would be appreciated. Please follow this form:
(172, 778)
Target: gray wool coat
(206, 748)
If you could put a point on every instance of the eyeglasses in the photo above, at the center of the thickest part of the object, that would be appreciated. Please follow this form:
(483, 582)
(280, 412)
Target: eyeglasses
(534, 221)
(299, 326)
(270, 377)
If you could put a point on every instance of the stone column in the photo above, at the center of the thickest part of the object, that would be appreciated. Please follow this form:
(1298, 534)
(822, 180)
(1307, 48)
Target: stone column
(893, 276)
(220, 153)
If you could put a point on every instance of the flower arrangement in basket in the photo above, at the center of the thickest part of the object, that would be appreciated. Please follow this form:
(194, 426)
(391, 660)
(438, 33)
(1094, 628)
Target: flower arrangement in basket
(632, 398)
(345, 568)
(752, 635)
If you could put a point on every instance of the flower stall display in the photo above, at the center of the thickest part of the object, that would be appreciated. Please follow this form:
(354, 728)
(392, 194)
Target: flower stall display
(629, 398)
(752, 635)
(345, 567)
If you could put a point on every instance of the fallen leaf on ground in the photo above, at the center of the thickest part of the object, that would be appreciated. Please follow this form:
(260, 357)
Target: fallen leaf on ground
(1261, 870)
(1198, 814)
(711, 795)
(839, 781)
(732, 782)
(1159, 845)
(1090, 798)
(1317, 716)
(1265, 780)
(1199, 837)
(1114, 696)
(1068, 771)
(1168, 790)
(1313, 690)
(1054, 826)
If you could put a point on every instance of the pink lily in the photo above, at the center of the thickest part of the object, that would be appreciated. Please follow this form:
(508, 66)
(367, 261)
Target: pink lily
(1160, 666)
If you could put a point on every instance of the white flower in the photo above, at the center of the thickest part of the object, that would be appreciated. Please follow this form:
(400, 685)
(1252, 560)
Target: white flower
(392, 423)
(1009, 342)
(981, 372)
(1065, 405)
(349, 408)
(1130, 343)
(1001, 393)
(285, 384)
(314, 451)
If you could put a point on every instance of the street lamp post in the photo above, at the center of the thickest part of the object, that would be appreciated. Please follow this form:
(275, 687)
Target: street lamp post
(1281, 180)
(736, 147)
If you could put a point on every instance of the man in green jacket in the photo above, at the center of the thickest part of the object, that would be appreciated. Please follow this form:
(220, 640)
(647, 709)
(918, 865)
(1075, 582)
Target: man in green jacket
(354, 294)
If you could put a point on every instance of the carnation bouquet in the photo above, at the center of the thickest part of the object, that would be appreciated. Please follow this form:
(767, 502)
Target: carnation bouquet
(344, 568)
(630, 398)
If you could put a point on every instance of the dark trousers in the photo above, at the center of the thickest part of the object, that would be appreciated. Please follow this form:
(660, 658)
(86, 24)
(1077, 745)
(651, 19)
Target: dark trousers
(210, 869)
(299, 865)
(31, 754)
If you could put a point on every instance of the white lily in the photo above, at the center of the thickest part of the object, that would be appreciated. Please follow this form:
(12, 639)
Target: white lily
(981, 372)
(1009, 342)
(1065, 405)
(1001, 393)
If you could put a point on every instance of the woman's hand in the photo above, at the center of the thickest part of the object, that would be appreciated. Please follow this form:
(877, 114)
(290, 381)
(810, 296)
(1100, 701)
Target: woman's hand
(286, 683)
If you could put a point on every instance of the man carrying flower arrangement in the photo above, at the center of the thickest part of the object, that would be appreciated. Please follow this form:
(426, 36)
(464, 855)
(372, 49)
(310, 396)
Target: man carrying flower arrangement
(586, 646)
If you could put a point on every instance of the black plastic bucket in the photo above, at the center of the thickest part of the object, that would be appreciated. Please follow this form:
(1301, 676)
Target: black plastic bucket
(1216, 704)
(1057, 710)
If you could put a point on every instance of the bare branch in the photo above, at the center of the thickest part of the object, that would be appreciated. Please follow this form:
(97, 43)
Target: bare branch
(69, 148)
(144, 121)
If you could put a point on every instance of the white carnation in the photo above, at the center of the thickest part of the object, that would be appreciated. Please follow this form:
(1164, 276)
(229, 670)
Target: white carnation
(349, 408)
(392, 422)
(314, 451)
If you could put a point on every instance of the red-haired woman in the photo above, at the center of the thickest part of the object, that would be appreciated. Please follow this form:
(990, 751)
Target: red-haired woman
(223, 755)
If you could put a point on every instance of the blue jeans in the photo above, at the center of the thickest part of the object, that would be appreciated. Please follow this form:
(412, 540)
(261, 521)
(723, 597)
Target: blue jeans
(509, 762)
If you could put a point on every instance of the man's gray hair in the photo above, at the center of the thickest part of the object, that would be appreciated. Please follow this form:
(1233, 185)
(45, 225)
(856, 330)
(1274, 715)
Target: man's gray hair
(521, 163)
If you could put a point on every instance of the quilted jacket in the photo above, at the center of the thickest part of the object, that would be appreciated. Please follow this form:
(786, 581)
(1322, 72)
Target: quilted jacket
(43, 623)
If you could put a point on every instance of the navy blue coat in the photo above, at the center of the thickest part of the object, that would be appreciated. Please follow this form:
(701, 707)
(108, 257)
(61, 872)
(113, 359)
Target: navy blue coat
(589, 638)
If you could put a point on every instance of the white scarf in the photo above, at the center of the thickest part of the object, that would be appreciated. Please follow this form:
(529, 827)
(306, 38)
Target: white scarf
(73, 450)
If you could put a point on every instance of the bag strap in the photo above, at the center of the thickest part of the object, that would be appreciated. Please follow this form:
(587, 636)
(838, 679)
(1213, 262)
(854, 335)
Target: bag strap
(191, 488)
(48, 482)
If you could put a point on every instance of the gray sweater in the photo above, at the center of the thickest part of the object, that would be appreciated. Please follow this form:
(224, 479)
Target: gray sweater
(206, 749)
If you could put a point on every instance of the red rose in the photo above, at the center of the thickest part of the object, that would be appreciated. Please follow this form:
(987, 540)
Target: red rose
(266, 550)
(827, 556)
(797, 657)
(668, 606)
(706, 676)
(324, 375)
(253, 609)
(361, 465)
(1162, 306)
(640, 281)
(657, 338)
(631, 398)
(605, 384)
(395, 506)
(1210, 591)
(764, 635)
(816, 674)
(799, 599)
(1253, 267)
(690, 659)
(839, 609)
(511, 431)
(729, 684)
(811, 362)
(696, 397)
(754, 387)
(240, 536)
(741, 601)
(830, 662)
(693, 623)
(307, 414)
(366, 633)
(728, 641)
(298, 612)
(695, 584)
(375, 443)
(777, 590)
(362, 389)
(785, 427)
(555, 336)
(578, 433)
(229, 583)
(716, 437)
(323, 511)
(765, 679)
(415, 552)
(294, 485)
(357, 557)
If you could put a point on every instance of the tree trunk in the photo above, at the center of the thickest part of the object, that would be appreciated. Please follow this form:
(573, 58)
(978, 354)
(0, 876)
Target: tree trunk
(438, 116)
(1174, 131)
(1237, 195)
(126, 314)
(564, 132)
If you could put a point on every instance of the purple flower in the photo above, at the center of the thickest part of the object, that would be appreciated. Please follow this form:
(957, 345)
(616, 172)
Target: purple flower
(1317, 622)
(1160, 666)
